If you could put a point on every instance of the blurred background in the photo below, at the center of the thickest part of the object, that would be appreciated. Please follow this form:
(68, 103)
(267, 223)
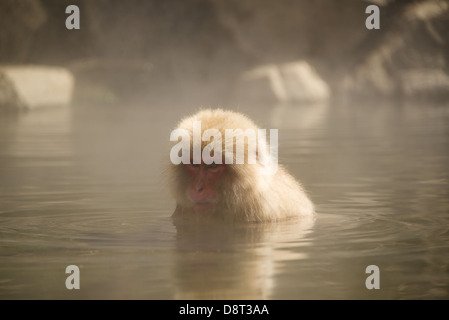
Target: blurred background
(200, 49)
(85, 120)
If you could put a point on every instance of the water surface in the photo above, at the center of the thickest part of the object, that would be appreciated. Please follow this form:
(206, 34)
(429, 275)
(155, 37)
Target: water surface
(85, 185)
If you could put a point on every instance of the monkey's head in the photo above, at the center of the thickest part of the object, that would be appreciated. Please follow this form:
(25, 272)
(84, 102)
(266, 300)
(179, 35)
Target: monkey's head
(202, 180)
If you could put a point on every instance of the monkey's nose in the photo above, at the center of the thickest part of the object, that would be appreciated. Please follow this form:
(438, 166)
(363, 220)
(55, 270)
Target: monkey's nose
(199, 188)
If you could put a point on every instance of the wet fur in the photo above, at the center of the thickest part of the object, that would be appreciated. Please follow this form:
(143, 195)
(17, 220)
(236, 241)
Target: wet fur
(245, 195)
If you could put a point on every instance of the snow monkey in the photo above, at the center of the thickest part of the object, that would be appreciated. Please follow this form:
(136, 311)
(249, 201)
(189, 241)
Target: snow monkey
(223, 166)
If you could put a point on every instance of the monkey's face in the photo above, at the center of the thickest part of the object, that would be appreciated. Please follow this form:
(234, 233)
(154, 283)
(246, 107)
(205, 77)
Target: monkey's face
(204, 181)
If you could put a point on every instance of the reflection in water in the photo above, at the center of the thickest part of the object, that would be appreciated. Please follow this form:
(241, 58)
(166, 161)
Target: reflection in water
(234, 261)
(85, 186)
(305, 117)
(48, 124)
(32, 145)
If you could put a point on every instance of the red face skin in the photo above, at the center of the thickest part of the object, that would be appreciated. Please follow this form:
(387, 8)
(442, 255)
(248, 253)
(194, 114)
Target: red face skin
(204, 180)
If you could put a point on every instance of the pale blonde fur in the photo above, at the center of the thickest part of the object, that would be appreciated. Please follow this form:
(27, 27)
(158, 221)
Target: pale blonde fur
(245, 195)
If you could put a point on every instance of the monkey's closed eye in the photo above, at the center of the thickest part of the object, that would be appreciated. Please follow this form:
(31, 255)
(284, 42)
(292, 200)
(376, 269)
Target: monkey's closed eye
(214, 167)
(192, 166)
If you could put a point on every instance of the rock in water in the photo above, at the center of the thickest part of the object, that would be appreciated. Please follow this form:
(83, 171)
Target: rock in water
(31, 87)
